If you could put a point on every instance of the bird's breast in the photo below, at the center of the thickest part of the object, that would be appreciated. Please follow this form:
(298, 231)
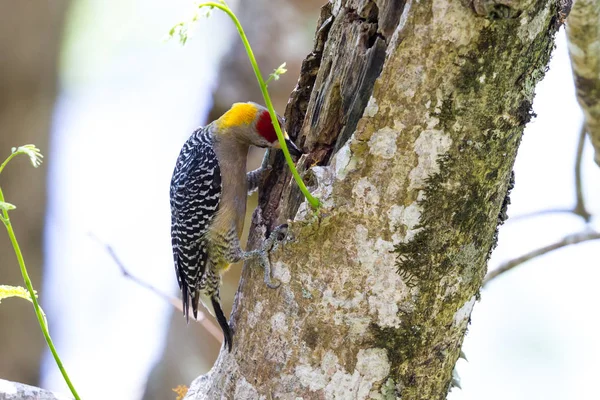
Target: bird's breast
(234, 193)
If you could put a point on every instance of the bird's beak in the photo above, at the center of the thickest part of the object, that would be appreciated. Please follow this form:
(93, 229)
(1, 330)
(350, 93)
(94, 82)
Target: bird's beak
(294, 150)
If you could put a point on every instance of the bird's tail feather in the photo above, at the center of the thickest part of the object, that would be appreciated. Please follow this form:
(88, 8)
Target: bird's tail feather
(195, 298)
(186, 302)
(220, 316)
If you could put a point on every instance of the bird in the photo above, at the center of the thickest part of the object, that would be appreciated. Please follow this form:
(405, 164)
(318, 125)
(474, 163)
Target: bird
(208, 194)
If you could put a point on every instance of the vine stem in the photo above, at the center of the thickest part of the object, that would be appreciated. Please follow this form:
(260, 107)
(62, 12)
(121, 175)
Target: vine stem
(36, 305)
(12, 155)
(313, 201)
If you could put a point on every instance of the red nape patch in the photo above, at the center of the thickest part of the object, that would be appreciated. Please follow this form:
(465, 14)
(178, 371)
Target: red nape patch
(265, 127)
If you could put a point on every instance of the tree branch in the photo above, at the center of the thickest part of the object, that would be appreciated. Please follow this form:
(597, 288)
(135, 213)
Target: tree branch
(541, 213)
(580, 204)
(575, 238)
(19, 391)
(206, 323)
(583, 32)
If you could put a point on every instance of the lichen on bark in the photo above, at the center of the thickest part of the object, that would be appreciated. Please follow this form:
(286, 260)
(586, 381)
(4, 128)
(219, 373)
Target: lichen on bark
(412, 114)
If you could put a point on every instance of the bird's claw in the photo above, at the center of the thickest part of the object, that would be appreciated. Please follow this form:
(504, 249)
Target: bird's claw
(272, 284)
(276, 237)
(266, 265)
(281, 232)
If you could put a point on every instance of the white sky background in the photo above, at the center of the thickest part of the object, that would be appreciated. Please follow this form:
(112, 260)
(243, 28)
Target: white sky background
(534, 334)
(127, 104)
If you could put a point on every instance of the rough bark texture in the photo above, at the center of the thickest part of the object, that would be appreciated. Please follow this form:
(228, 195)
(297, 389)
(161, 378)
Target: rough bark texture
(583, 31)
(18, 391)
(30, 35)
(412, 113)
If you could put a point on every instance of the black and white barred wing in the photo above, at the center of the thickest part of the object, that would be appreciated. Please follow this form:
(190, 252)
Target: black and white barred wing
(195, 195)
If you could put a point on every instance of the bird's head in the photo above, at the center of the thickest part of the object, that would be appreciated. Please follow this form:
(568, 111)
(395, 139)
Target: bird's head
(250, 123)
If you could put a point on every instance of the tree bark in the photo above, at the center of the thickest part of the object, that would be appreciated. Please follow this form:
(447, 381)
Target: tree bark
(412, 113)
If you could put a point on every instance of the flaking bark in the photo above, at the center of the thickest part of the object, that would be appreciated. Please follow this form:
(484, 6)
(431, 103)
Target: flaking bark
(412, 113)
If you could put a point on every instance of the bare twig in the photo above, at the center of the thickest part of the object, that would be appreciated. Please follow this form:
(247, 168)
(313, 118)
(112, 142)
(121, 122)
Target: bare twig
(583, 32)
(206, 323)
(541, 213)
(580, 204)
(575, 238)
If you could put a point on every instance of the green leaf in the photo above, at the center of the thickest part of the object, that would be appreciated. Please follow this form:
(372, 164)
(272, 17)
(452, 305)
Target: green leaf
(279, 71)
(14, 291)
(7, 291)
(34, 154)
(4, 206)
(184, 30)
(207, 13)
(274, 76)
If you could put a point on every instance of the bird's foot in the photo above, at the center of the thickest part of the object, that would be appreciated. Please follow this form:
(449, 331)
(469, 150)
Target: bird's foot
(276, 238)
(272, 243)
(256, 177)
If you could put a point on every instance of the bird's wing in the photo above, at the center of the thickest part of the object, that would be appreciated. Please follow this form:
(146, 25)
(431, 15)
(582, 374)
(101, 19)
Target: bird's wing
(195, 196)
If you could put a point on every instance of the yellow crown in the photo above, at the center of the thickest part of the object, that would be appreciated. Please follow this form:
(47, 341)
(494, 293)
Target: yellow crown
(239, 114)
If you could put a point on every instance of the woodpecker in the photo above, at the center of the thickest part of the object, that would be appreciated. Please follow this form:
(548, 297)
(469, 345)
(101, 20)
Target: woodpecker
(208, 196)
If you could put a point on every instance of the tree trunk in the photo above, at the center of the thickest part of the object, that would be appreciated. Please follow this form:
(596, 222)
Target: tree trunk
(413, 112)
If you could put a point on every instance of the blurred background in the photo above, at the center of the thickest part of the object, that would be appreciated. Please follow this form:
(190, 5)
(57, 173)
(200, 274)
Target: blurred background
(92, 84)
